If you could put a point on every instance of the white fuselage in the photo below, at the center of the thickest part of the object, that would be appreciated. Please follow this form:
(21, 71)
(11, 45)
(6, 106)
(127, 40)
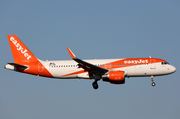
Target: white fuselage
(69, 68)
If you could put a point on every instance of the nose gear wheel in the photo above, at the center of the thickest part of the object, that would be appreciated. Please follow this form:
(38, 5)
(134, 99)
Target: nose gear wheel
(152, 79)
(153, 84)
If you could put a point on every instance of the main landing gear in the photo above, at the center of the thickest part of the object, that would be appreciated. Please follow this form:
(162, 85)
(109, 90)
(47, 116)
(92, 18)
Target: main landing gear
(152, 79)
(95, 84)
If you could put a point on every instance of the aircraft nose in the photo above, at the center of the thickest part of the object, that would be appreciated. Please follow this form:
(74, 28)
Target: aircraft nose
(173, 69)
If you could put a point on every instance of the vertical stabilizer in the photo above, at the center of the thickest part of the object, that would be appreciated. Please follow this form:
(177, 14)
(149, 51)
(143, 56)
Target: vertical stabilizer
(20, 52)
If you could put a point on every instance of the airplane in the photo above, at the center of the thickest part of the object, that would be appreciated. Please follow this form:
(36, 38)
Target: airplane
(113, 71)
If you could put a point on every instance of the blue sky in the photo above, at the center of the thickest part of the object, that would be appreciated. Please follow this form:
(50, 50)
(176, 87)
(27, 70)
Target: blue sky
(95, 29)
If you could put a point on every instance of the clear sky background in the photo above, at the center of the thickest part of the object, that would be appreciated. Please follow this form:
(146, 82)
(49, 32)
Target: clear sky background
(94, 29)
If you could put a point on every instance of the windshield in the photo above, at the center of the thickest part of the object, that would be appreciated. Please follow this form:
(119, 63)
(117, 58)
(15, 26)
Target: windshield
(164, 63)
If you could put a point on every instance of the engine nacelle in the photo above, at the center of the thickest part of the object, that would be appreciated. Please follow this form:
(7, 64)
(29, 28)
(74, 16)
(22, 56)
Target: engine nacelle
(114, 77)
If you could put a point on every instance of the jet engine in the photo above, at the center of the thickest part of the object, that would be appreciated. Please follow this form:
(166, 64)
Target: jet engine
(114, 77)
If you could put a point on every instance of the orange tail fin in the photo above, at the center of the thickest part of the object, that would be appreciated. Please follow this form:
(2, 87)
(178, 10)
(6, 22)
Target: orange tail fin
(20, 52)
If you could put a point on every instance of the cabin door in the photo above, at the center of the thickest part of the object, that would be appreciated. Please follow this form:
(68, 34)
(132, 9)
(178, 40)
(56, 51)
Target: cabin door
(40, 67)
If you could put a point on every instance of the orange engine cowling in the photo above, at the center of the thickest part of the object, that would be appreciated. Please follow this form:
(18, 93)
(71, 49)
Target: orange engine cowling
(114, 77)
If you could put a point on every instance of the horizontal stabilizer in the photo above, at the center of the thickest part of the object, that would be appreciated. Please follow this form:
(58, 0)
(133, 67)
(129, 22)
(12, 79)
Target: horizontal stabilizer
(18, 65)
(15, 67)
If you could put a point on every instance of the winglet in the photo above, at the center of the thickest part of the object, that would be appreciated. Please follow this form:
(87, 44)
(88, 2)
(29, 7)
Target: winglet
(71, 53)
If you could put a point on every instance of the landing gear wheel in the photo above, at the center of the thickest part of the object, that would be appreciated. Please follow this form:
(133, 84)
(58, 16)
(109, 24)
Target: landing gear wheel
(95, 85)
(153, 84)
(152, 79)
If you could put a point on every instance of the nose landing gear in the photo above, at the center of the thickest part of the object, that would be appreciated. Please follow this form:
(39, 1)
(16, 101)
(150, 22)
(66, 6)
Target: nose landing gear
(153, 84)
(152, 79)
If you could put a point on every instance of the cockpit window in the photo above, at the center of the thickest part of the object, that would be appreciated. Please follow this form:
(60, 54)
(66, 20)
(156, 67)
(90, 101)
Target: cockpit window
(164, 63)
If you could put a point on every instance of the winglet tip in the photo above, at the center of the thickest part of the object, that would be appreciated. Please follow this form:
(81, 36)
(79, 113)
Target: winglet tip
(71, 53)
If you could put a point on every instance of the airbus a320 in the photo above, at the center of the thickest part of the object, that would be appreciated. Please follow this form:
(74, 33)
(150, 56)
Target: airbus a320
(113, 71)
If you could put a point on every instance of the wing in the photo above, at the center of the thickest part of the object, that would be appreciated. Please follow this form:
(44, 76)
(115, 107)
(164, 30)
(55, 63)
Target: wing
(91, 68)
